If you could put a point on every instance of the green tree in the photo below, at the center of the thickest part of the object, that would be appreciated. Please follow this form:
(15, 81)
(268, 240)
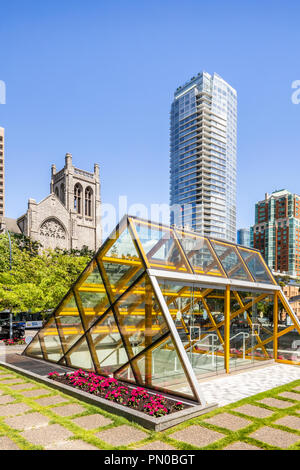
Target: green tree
(38, 280)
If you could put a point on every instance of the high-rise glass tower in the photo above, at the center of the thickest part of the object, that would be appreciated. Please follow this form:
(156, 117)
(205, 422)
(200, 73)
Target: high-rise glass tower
(203, 156)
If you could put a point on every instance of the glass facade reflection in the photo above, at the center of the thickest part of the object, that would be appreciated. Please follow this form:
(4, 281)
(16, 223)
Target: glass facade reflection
(162, 308)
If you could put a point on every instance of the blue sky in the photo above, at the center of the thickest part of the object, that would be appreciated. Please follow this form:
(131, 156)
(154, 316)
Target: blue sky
(96, 78)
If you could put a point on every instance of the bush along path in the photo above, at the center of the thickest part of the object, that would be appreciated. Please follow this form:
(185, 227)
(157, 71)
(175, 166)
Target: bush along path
(270, 420)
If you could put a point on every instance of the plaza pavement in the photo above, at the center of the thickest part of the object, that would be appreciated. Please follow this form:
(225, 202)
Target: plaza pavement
(27, 407)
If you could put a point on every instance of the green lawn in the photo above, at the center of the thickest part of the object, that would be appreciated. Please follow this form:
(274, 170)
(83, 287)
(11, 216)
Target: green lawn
(287, 434)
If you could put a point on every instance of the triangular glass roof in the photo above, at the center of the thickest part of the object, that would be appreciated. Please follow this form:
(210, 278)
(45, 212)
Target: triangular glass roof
(183, 251)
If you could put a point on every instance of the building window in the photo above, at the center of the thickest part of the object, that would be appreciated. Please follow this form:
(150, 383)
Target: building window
(56, 191)
(62, 193)
(77, 198)
(88, 202)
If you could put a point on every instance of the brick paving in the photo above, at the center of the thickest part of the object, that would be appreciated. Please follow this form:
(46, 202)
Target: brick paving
(71, 445)
(7, 444)
(22, 386)
(156, 445)
(276, 403)
(51, 434)
(121, 435)
(241, 446)
(13, 409)
(228, 421)
(27, 421)
(6, 399)
(197, 436)
(254, 411)
(69, 410)
(275, 437)
(92, 421)
(52, 400)
(292, 422)
(35, 393)
(291, 395)
(30, 420)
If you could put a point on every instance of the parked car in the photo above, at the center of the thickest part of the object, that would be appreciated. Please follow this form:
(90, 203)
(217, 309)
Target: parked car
(18, 330)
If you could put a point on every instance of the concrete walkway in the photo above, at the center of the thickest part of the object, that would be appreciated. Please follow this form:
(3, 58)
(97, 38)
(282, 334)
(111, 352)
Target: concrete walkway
(229, 389)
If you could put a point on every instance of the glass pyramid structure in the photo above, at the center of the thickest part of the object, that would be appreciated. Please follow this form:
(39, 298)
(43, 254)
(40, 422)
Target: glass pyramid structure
(162, 308)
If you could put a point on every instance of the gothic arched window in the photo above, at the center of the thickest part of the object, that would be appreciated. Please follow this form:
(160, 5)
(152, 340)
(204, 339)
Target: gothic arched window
(56, 191)
(88, 202)
(62, 193)
(77, 198)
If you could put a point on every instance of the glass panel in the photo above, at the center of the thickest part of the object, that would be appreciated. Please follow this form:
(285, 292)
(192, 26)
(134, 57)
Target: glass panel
(80, 356)
(200, 255)
(121, 263)
(160, 246)
(140, 319)
(231, 261)
(251, 329)
(50, 341)
(34, 348)
(108, 344)
(161, 367)
(69, 323)
(93, 296)
(255, 266)
(289, 346)
(196, 313)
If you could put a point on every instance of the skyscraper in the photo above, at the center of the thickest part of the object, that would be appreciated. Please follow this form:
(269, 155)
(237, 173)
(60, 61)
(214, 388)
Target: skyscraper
(276, 232)
(243, 236)
(203, 135)
(2, 184)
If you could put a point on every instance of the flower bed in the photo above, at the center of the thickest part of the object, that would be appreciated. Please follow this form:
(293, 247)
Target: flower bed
(13, 342)
(137, 398)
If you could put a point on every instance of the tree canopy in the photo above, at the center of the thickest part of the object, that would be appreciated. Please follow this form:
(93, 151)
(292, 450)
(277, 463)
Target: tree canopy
(37, 280)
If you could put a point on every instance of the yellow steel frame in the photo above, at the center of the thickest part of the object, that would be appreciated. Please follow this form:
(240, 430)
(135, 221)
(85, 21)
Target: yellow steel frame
(112, 292)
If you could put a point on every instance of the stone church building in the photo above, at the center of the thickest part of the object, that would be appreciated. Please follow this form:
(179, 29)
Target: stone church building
(69, 218)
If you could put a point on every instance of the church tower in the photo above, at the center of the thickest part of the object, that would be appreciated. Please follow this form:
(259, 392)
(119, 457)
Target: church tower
(69, 218)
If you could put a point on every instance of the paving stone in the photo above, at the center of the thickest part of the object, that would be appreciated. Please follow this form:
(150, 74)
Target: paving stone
(241, 446)
(228, 421)
(23, 386)
(7, 444)
(50, 434)
(92, 421)
(11, 381)
(121, 435)
(28, 421)
(254, 411)
(276, 403)
(53, 400)
(275, 437)
(156, 445)
(292, 422)
(197, 436)
(69, 410)
(291, 395)
(72, 445)
(13, 409)
(35, 393)
(297, 388)
(6, 376)
(6, 399)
